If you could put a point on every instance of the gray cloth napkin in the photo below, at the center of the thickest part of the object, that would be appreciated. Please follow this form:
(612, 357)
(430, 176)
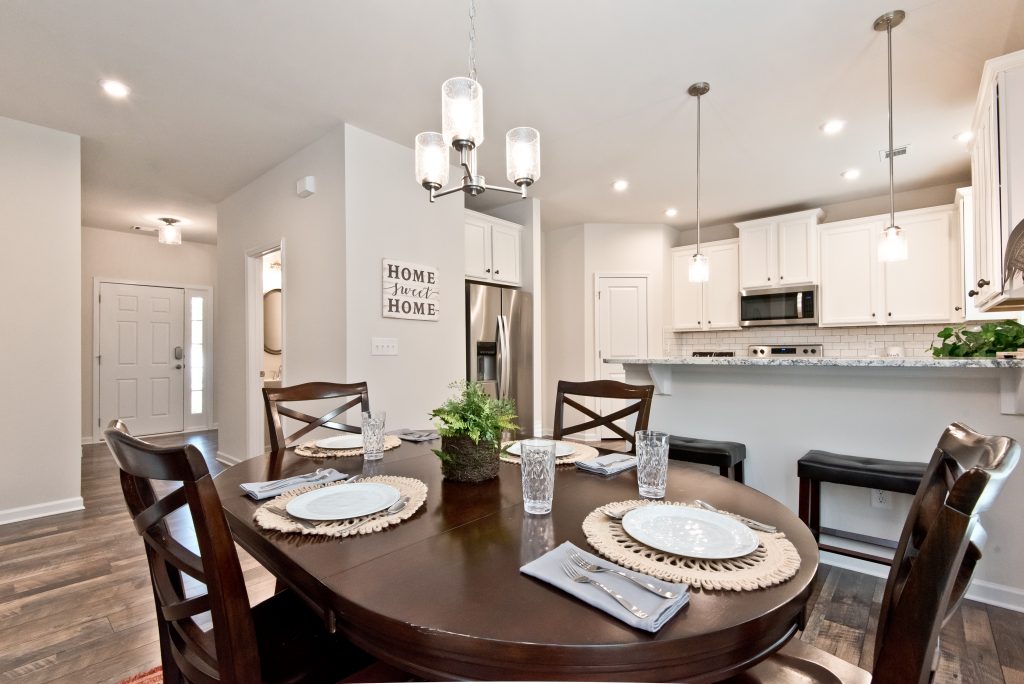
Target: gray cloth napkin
(609, 464)
(255, 490)
(548, 568)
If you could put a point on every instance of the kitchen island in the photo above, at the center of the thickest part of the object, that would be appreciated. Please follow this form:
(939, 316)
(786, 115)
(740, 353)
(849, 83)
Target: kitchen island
(876, 407)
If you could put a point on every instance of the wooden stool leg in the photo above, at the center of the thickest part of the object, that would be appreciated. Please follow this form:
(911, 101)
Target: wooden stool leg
(726, 471)
(810, 505)
(738, 472)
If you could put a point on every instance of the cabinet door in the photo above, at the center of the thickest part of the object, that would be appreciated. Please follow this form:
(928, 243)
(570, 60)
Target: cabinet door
(798, 250)
(505, 254)
(758, 256)
(722, 291)
(849, 265)
(687, 310)
(478, 248)
(918, 290)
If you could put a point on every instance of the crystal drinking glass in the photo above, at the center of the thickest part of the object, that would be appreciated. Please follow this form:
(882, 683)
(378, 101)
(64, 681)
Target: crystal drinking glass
(373, 435)
(651, 463)
(538, 466)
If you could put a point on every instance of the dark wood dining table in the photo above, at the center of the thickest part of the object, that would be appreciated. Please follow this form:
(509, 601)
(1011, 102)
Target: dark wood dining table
(441, 596)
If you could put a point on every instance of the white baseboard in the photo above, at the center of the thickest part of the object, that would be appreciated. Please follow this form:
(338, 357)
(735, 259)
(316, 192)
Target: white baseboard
(991, 593)
(10, 515)
(227, 459)
(86, 441)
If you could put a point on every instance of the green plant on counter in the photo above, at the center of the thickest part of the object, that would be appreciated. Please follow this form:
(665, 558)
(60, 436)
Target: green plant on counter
(472, 413)
(979, 340)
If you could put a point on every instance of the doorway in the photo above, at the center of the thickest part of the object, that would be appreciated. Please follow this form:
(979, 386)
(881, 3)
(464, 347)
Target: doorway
(265, 336)
(620, 323)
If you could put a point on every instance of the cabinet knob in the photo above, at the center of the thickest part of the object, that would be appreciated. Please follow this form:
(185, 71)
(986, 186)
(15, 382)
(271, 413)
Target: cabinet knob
(982, 283)
(769, 279)
(780, 278)
(973, 293)
(487, 270)
(890, 313)
(709, 322)
(957, 308)
(872, 315)
(497, 272)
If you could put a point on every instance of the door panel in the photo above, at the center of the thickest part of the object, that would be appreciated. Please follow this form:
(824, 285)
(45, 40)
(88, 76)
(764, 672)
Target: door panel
(848, 263)
(622, 333)
(505, 254)
(796, 252)
(477, 236)
(758, 255)
(140, 382)
(721, 292)
(687, 297)
(918, 290)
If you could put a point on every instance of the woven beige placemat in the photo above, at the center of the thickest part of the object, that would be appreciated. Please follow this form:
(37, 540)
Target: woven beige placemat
(773, 562)
(582, 453)
(266, 518)
(311, 450)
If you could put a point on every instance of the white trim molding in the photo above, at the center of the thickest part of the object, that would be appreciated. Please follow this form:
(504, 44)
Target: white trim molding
(40, 510)
(227, 459)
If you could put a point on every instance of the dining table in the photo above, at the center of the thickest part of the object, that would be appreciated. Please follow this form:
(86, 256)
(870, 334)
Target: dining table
(441, 596)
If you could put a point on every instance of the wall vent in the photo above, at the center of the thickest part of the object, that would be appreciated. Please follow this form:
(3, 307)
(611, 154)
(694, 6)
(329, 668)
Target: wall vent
(896, 152)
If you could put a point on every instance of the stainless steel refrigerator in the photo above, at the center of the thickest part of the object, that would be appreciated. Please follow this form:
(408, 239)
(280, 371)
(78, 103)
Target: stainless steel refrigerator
(499, 346)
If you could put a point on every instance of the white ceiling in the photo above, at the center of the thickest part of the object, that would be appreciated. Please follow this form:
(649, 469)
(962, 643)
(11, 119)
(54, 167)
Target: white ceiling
(224, 90)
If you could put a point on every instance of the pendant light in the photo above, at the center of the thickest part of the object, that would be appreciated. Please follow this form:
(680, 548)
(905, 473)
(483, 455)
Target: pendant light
(169, 233)
(699, 269)
(893, 245)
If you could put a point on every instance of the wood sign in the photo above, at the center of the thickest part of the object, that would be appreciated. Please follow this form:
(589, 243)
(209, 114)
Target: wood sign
(410, 291)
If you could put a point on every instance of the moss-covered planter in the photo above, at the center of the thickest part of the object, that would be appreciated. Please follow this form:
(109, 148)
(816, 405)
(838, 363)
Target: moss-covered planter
(464, 461)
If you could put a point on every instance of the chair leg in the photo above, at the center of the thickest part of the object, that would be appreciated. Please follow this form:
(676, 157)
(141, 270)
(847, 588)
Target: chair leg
(738, 472)
(726, 471)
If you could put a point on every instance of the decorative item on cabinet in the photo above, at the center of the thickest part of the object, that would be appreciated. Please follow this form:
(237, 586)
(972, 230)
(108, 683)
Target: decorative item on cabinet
(711, 305)
(493, 249)
(777, 251)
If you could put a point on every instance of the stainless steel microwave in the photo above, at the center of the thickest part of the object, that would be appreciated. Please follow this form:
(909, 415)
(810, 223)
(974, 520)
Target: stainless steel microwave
(794, 305)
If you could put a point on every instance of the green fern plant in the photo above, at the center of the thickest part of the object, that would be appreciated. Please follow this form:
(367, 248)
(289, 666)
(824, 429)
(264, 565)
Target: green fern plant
(969, 339)
(472, 413)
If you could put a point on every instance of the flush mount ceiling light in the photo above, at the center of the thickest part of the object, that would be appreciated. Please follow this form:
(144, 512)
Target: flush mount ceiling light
(462, 127)
(833, 126)
(893, 245)
(851, 174)
(699, 269)
(620, 185)
(115, 89)
(169, 233)
(964, 137)
(671, 212)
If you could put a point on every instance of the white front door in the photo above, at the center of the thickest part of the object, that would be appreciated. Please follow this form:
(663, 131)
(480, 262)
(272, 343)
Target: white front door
(141, 362)
(621, 333)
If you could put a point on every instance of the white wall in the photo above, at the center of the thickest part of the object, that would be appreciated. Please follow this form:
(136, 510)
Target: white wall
(261, 214)
(562, 259)
(40, 223)
(133, 257)
(387, 215)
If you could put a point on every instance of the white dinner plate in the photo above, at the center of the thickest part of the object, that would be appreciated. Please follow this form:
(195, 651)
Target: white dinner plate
(562, 449)
(341, 442)
(343, 501)
(689, 532)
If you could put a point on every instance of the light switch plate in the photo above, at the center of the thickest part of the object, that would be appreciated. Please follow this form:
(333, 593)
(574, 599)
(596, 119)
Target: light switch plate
(384, 346)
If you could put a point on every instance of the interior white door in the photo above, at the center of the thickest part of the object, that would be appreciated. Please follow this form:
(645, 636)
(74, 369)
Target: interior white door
(621, 333)
(142, 331)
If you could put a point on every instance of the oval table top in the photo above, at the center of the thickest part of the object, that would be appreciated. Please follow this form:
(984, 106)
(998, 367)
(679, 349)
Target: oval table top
(441, 596)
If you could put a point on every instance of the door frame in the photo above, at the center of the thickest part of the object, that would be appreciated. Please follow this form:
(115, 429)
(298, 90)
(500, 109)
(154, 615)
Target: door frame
(207, 290)
(253, 270)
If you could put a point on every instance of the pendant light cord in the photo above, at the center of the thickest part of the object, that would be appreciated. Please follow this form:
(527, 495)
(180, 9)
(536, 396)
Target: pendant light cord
(472, 39)
(698, 174)
(892, 196)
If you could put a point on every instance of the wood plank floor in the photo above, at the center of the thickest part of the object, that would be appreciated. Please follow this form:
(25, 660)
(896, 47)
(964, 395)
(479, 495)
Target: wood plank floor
(76, 604)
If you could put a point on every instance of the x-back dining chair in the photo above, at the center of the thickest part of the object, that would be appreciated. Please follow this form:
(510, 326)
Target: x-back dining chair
(640, 395)
(311, 391)
(939, 548)
(279, 640)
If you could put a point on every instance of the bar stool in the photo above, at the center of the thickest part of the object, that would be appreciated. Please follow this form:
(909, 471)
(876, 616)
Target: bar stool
(728, 457)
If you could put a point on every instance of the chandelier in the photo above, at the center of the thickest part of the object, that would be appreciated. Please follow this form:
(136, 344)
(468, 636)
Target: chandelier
(462, 128)
(893, 245)
(169, 233)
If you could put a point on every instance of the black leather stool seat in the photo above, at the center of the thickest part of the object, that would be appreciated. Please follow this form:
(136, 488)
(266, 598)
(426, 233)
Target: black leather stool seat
(858, 471)
(728, 457)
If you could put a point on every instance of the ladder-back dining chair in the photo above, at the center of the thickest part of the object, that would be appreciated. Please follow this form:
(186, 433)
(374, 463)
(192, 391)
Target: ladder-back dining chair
(278, 640)
(311, 391)
(640, 395)
(938, 550)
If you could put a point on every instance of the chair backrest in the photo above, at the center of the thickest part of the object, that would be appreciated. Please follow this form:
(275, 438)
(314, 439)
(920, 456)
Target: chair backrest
(311, 391)
(940, 545)
(603, 389)
(228, 652)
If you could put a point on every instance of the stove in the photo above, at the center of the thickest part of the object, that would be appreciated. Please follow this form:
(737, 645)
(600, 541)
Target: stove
(714, 353)
(792, 351)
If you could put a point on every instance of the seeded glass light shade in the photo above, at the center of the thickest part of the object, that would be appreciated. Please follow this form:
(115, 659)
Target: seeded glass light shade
(522, 155)
(893, 245)
(699, 269)
(462, 110)
(168, 235)
(431, 160)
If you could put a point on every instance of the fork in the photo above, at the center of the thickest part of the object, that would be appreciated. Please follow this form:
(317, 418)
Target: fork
(573, 573)
(579, 560)
(298, 479)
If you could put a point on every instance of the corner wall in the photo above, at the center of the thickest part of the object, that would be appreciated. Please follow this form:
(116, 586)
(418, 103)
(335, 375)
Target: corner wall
(40, 223)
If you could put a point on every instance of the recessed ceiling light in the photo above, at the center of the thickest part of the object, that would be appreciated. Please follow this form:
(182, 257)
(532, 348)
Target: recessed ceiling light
(671, 212)
(115, 89)
(851, 174)
(620, 185)
(833, 126)
(965, 137)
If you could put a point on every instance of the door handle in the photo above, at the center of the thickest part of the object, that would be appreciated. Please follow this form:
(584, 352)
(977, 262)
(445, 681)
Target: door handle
(178, 366)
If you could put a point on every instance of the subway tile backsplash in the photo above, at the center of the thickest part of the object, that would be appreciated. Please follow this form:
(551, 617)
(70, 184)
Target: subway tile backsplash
(837, 342)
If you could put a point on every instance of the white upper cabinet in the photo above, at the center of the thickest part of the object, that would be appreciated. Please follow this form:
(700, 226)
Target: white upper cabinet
(493, 249)
(918, 290)
(968, 308)
(779, 250)
(849, 273)
(713, 305)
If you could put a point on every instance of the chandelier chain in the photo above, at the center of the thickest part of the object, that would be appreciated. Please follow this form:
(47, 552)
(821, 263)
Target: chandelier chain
(472, 39)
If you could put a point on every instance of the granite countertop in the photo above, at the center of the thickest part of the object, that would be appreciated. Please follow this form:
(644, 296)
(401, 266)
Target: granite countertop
(976, 362)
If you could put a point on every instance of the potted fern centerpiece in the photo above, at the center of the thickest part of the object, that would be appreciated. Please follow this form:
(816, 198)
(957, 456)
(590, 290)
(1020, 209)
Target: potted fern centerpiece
(471, 424)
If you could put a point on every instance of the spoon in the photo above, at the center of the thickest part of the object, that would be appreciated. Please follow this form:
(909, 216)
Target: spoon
(396, 507)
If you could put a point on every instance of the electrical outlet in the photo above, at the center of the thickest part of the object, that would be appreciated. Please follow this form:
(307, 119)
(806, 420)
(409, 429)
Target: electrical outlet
(881, 498)
(384, 346)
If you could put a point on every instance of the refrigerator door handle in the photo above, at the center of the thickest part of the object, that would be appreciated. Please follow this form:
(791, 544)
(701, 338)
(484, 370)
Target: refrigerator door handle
(505, 367)
(499, 353)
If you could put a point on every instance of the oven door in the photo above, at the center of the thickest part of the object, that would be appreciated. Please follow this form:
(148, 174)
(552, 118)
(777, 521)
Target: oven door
(779, 306)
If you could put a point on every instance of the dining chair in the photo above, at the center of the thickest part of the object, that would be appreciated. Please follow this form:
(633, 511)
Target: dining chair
(938, 550)
(278, 640)
(311, 391)
(641, 395)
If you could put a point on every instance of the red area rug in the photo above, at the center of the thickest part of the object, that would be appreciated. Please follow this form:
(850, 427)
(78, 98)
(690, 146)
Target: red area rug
(154, 676)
